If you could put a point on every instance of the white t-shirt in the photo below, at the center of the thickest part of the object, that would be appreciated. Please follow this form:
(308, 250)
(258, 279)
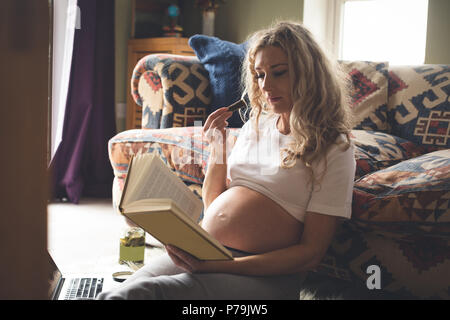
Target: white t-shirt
(257, 166)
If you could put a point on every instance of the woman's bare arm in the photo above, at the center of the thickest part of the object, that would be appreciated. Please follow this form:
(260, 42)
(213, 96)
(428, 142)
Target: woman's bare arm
(214, 183)
(306, 255)
(215, 178)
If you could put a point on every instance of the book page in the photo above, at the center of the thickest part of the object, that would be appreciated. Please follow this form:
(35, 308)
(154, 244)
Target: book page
(157, 181)
(135, 169)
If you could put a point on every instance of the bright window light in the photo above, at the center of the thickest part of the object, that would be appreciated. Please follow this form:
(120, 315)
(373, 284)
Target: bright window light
(385, 30)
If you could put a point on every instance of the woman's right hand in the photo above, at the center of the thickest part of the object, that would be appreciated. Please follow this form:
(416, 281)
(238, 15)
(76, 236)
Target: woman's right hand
(214, 128)
(215, 134)
(215, 177)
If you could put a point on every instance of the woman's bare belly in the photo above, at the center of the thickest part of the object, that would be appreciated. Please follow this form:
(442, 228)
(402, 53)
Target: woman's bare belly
(247, 220)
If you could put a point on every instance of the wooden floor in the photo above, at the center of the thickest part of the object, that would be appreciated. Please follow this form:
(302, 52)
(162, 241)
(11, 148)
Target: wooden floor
(84, 237)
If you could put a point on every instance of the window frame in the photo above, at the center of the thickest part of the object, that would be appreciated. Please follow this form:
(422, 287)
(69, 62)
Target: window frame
(325, 19)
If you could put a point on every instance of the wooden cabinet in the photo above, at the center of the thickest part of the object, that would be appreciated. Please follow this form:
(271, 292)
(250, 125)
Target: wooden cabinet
(139, 48)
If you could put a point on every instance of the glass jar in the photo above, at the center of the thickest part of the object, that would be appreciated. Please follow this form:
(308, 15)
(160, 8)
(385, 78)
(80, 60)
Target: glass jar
(132, 246)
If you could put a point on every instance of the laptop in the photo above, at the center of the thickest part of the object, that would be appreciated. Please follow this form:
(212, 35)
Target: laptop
(78, 287)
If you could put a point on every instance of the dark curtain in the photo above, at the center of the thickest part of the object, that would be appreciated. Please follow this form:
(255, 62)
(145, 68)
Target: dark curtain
(81, 165)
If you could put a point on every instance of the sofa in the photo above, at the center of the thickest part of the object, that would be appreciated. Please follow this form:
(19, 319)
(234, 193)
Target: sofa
(401, 213)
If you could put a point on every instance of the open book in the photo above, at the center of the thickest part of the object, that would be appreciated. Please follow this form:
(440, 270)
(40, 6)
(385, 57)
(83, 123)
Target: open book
(160, 203)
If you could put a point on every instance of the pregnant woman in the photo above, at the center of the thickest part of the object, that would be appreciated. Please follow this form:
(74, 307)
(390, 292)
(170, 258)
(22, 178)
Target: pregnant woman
(276, 200)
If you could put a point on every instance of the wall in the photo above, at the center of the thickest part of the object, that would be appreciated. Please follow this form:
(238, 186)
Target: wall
(237, 19)
(438, 43)
(191, 19)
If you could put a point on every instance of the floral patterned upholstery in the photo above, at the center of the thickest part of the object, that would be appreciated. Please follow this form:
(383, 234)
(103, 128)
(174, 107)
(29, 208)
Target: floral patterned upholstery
(401, 213)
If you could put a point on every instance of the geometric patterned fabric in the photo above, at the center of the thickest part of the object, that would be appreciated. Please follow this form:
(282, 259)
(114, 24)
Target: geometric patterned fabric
(173, 90)
(419, 106)
(414, 190)
(400, 222)
(369, 93)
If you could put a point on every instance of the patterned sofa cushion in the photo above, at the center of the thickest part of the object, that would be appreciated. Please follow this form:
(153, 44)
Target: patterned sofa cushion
(415, 190)
(223, 60)
(173, 91)
(369, 95)
(377, 150)
(419, 106)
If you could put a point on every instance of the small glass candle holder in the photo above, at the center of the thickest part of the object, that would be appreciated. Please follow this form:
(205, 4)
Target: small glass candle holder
(132, 246)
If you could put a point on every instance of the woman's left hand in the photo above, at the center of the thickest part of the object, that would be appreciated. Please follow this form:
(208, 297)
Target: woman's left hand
(190, 263)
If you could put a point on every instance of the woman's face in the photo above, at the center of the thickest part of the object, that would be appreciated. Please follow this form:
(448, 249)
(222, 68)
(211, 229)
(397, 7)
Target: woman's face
(272, 73)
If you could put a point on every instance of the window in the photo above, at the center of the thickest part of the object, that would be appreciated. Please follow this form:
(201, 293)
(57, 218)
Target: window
(66, 18)
(384, 30)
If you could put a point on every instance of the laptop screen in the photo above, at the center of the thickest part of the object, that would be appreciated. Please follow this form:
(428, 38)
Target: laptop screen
(54, 278)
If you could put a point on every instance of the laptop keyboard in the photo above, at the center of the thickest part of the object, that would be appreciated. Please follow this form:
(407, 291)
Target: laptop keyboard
(84, 288)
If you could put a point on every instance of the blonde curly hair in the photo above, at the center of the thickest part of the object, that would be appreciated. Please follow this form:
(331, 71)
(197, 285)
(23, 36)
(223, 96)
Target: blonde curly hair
(319, 90)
